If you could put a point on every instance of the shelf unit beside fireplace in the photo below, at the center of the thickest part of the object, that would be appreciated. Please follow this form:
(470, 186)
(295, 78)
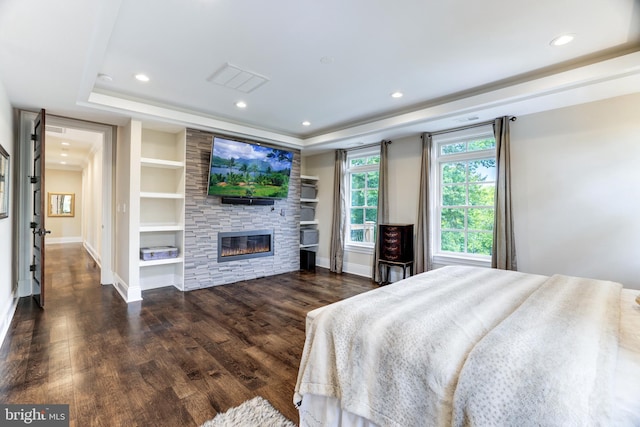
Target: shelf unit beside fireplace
(311, 204)
(162, 183)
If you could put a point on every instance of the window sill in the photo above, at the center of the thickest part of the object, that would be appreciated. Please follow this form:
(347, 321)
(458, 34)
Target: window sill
(361, 249)
(442, 259)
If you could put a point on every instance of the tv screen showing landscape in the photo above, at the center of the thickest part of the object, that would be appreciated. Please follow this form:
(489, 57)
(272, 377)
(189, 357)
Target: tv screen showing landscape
(243, 169)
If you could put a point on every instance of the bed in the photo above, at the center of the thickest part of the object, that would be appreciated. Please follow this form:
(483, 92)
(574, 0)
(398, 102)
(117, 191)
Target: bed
(474, 346)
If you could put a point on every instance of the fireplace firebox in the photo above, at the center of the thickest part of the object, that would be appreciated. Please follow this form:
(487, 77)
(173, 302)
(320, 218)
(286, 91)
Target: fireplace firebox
(237, 245)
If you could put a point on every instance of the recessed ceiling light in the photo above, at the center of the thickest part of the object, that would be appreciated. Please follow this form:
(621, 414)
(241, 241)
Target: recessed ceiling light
(64, 154)
(63, 162)
(306, 123)
(65, 143)
(397, 95)
(241, 104)
(142, 77)
(562, 39)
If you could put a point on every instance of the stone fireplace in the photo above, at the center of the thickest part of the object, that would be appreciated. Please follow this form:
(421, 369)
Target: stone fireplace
(236, 245)
(206, 217)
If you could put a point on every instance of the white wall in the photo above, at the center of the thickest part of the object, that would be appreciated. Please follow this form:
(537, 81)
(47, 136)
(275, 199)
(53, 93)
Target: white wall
(121, 265)
(575, 182)
(576, 202)
(8, 283)
(64, 229)
(92, 204)
(124, 193)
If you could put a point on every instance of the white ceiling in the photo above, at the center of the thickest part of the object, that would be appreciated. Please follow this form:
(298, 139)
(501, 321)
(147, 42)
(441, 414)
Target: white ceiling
(331, 62)
(69, 148)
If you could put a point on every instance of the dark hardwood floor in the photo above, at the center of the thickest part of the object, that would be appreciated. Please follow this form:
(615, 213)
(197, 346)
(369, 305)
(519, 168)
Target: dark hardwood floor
(174, 359)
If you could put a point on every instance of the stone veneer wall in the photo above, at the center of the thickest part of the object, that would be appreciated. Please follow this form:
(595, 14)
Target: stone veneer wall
(205, 216)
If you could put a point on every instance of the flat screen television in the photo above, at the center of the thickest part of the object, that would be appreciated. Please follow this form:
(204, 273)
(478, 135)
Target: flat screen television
(248, 170)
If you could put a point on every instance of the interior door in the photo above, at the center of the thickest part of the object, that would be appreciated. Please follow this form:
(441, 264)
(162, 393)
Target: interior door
(37, 224)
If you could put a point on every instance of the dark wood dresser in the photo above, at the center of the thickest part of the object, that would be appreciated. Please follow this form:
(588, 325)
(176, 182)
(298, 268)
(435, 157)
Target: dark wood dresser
(396, 248)
(396, 242)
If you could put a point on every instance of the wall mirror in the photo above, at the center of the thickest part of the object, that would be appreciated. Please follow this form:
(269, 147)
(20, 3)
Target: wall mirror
(4, 183)
(61, 204)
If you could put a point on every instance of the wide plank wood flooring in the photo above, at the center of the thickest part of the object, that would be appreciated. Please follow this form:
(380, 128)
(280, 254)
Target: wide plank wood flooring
(174, 359)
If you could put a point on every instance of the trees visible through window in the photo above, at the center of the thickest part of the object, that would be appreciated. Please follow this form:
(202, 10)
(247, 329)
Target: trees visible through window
(363, 171)
(466, 188)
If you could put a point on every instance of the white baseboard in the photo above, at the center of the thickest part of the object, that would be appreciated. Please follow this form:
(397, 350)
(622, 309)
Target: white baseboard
(357, 269)
(106, 276)
(322, 262)
(94, 254)
(128, 293)
(6, 319)
(57, 240)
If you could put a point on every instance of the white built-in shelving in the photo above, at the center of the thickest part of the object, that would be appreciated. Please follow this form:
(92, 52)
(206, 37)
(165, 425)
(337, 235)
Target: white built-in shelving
(161, 202)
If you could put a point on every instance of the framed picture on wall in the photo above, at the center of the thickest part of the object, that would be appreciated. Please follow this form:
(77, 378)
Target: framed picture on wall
(4, 183)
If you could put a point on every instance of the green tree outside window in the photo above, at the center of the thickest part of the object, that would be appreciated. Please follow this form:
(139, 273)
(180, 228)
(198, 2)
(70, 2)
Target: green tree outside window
(467, 192)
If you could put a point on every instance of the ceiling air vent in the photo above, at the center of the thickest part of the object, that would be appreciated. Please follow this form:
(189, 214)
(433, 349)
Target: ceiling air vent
(236, 78)
(466, 119)
(54, 129)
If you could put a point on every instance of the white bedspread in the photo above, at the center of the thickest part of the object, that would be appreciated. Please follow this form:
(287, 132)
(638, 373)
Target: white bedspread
(627, 384)
(554, 357)
(394, 355)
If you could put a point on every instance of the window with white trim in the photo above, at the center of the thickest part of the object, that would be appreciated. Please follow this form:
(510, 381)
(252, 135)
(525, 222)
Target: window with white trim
(465, 173)
(363, 173)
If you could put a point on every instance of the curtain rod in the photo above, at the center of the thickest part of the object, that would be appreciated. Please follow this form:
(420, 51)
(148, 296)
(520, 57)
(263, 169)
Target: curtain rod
(488, 122)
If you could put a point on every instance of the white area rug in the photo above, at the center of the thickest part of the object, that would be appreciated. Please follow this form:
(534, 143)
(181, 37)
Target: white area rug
(256, 412)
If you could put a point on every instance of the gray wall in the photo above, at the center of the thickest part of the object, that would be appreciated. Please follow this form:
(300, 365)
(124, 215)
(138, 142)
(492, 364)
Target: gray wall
(206, 216)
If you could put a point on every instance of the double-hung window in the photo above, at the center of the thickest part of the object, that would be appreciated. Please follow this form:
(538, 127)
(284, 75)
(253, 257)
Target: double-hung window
(465, 173)
(363, 171)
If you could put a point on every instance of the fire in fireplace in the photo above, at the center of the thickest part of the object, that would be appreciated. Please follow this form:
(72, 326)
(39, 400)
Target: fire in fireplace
(238, 245)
